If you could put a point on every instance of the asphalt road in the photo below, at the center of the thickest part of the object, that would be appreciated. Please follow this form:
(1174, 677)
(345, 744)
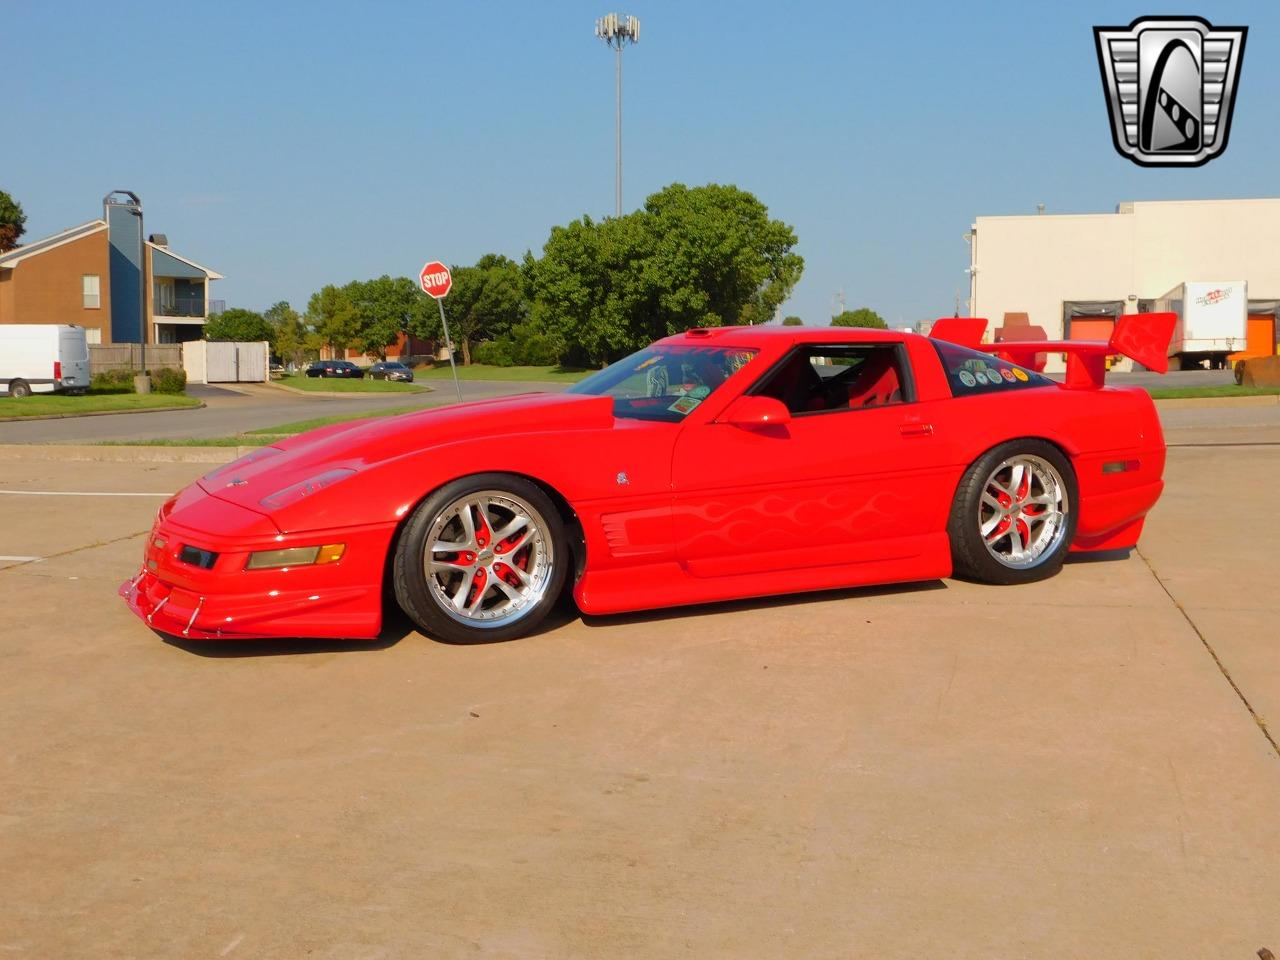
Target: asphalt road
(1076, 768)
(246, 407)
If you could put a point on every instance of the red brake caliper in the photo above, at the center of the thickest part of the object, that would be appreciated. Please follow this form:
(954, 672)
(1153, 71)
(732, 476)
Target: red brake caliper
(1024, 489)
(507, 574)
(483, 533)
(521, 560)
(1003, 526)
(477, 586)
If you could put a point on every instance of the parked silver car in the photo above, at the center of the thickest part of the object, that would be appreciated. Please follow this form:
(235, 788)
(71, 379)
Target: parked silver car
(391, 370)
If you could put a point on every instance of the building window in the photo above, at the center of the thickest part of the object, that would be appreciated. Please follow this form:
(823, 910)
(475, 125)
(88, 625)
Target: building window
(91, 286)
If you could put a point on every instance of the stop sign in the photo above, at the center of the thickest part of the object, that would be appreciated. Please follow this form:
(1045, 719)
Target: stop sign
(436, 280)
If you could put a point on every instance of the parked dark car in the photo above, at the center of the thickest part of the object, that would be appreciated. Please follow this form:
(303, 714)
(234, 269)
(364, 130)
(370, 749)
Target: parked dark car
(391, 370)
(335, 368)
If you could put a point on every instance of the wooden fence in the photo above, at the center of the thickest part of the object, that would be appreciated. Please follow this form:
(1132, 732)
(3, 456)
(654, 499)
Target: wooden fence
(128, 356)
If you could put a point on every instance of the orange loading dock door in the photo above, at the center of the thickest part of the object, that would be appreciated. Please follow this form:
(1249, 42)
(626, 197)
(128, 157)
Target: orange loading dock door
(1260, 338)
(1092, 328)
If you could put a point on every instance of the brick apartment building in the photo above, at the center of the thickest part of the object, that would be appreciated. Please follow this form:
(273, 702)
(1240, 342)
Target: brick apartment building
(90, 276)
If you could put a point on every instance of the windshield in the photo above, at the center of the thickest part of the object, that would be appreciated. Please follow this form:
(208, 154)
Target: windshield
(665, 381)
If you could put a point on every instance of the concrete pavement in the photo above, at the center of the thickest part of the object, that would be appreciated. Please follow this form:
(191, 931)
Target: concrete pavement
(943, 770)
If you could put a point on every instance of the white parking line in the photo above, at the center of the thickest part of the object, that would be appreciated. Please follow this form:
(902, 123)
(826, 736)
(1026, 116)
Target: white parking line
(78, 493)
(8, 559)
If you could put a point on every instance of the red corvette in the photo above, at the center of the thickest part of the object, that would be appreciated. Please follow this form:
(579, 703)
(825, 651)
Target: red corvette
(716, 464)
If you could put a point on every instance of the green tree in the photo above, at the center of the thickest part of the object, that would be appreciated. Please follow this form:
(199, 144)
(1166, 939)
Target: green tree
(700, 256)
(486, 301)
(589, 288)
(332, 316)
(717, 257)
(13, 222)
(792, 321)
(862, 317)
(383, 309)
(244, 326)
(290, 333)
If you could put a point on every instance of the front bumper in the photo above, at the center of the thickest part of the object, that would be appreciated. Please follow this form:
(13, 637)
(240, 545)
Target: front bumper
(227, 602)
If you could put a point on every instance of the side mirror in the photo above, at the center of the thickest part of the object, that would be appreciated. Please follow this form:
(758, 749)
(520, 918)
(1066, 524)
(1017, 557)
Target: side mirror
(756, 412)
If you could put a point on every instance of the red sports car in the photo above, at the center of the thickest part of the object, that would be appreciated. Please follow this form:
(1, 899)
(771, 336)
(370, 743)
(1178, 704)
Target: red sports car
(716, 464)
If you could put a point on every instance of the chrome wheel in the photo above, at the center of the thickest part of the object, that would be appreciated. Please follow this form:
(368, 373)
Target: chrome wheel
(1022, 512)
(488, 558)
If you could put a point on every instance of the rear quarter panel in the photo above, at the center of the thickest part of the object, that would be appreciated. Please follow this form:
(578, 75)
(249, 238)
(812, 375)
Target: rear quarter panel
(1097, 429)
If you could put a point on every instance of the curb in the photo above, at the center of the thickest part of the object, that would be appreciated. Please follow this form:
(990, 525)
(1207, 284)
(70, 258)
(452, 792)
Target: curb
(98, 413)
(113, 454)
(1191, 403)
(351, 393)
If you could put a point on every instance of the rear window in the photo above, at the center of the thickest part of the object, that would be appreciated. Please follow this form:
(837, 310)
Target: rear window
(971, 372)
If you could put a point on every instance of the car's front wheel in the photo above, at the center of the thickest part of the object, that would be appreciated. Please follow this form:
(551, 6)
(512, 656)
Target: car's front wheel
(1014, 514)
(483, 558)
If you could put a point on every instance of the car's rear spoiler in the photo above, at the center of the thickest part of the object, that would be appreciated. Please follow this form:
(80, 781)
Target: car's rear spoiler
(1143, 337)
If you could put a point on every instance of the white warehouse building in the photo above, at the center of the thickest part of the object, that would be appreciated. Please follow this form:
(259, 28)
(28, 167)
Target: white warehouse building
(1072, 274)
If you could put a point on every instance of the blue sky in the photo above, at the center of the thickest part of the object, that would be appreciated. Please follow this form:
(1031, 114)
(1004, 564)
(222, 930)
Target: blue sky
(291, 144)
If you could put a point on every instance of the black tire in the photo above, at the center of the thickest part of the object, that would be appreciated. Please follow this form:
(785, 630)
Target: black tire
(970, 556)
(415, 593)
(19, 388)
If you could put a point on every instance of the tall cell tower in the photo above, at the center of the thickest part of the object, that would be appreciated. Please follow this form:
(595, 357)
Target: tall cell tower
(617, 31)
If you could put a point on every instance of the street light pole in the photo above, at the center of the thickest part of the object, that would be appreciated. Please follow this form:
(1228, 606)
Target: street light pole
(617, 31)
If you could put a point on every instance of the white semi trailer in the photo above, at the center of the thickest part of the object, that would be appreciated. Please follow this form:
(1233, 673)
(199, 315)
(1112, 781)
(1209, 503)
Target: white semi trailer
(1212, 321)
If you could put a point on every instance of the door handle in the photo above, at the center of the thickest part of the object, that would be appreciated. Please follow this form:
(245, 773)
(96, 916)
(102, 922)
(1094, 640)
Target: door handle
(916, 429)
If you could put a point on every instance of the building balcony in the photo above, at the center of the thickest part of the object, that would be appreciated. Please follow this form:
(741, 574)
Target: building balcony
(188, 309)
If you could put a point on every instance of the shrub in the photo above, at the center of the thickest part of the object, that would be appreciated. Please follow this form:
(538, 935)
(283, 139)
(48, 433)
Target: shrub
(792, 322)
(168, 380)
(496, 353)
(527, 345)
(112, 381)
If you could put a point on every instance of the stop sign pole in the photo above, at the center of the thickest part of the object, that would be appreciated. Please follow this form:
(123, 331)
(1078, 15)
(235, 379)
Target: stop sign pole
(436, 282)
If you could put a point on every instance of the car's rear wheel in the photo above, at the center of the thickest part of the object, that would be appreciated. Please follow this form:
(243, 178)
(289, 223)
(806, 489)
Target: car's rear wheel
(19, 388)
(483, 558)
(1014, 514)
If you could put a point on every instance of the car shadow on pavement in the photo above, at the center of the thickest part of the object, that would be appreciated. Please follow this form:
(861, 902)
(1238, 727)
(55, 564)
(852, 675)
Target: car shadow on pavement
(758, 603)
(1101, 556)
(395, 627)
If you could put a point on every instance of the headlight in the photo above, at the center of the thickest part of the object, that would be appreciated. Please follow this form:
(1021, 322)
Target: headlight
(296, 557)
(305, 488)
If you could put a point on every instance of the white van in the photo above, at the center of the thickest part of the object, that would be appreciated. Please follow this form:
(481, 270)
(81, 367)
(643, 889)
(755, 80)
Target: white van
(42, 358)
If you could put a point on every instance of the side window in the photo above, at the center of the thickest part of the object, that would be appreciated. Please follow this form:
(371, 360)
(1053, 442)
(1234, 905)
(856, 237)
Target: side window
(970, 372)
(91, 289)
(818, 378)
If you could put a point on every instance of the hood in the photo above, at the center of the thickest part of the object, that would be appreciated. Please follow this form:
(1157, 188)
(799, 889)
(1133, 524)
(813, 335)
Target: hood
(330, 456)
